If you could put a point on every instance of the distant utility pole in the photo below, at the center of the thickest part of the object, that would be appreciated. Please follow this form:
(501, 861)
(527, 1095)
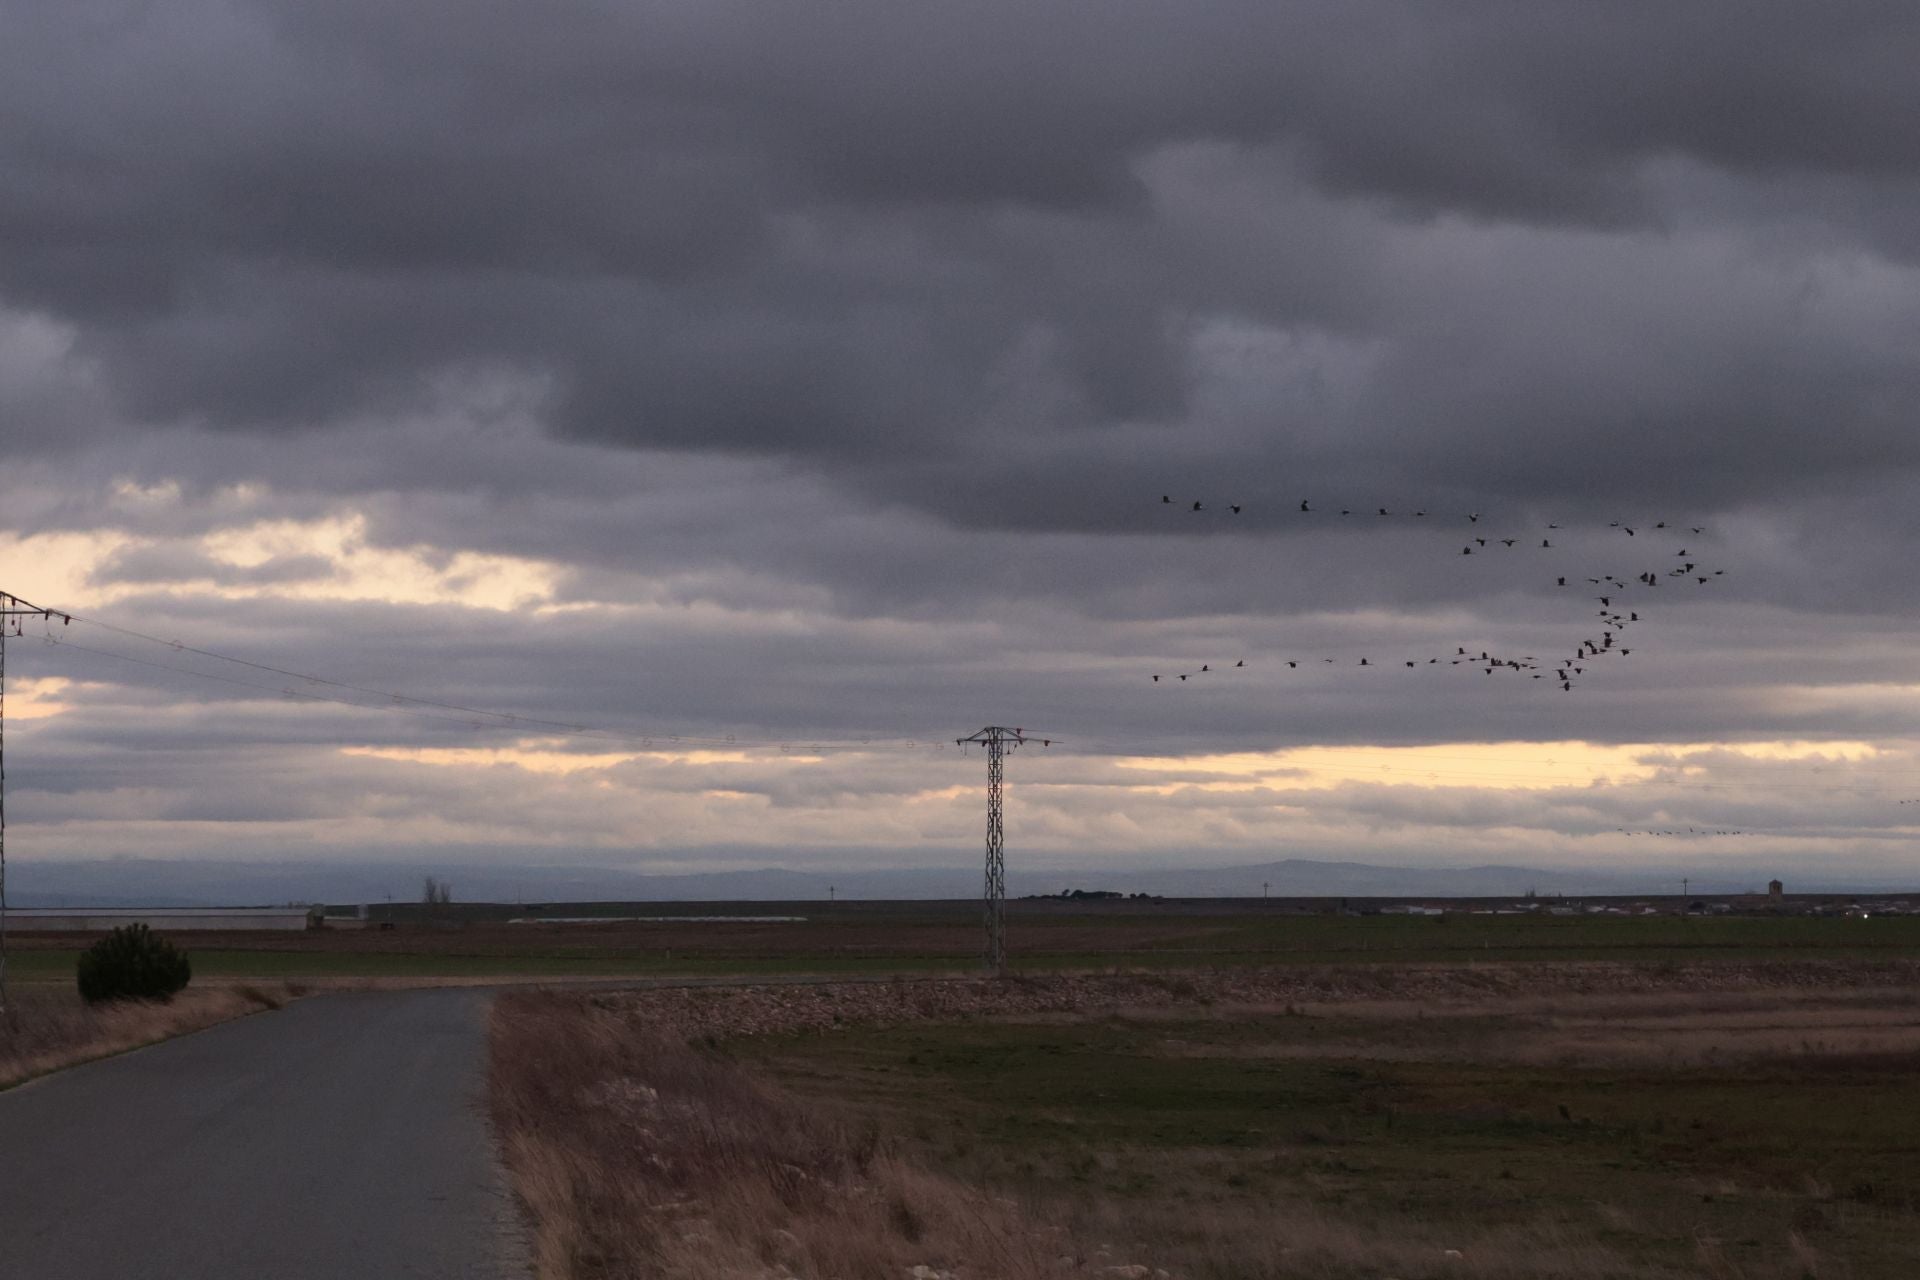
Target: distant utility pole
(1264, 886)
(998, 740)
(829, 893)
(13, 615)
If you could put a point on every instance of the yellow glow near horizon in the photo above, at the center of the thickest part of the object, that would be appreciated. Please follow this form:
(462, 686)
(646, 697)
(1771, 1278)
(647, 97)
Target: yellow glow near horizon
(548, 760)
(1501, 766)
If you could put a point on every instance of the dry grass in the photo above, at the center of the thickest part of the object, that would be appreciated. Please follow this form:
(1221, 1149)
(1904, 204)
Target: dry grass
(637, 1153)
(1296, 1242)
(46, 1028)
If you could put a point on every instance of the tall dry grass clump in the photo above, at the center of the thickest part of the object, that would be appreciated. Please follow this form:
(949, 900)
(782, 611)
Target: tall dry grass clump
(45, 1028)
(637, 1154)
(640, 1154)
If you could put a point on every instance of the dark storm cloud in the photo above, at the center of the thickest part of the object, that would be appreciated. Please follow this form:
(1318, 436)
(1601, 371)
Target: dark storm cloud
(829, 365)
(889, 242)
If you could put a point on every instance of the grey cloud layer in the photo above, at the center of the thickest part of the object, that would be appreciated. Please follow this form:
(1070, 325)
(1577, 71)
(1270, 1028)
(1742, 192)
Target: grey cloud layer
(888, 241)
(837, 359)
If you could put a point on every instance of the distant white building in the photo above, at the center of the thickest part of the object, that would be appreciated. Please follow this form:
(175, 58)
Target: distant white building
(160, 919)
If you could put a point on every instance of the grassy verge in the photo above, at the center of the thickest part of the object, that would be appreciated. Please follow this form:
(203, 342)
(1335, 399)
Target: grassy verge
(45, 1028)
(640, 1156)
(1605, 1121)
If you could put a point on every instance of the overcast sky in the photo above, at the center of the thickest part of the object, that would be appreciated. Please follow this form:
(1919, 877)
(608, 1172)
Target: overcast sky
(813, 375)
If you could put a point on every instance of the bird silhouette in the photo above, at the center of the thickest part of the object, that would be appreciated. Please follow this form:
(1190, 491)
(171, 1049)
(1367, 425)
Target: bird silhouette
(1241, 663)
(1234, 507)
(1156, 679)
(1304, 506)
(1196, 506)
(1166, 497)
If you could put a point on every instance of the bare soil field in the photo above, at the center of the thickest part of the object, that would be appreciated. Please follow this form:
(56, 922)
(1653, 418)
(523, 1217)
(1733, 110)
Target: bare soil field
(1736, 1121)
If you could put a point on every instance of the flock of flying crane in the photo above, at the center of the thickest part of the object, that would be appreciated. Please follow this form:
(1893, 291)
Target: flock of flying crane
(1613, 620)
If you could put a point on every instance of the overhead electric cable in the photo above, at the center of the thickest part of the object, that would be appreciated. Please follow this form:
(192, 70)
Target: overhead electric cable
(393, 703)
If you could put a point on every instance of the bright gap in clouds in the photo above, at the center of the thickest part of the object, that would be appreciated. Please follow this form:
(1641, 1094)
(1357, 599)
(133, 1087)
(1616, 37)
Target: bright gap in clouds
(1503, 766)
(306, 560)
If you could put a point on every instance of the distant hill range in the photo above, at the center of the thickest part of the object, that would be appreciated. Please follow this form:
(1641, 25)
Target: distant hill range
(154, 882)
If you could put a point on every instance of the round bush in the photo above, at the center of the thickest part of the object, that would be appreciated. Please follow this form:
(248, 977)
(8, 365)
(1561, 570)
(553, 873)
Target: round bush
(132, 963)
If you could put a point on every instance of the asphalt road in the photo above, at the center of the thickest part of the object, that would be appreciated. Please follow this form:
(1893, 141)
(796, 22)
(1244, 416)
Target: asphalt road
(342, 1136)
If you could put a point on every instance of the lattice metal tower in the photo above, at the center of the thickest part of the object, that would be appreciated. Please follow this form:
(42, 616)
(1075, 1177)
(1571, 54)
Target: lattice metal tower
(13, 611)
(998, 740)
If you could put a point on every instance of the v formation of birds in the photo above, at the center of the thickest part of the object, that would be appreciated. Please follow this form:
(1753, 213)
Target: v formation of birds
(1609, 590)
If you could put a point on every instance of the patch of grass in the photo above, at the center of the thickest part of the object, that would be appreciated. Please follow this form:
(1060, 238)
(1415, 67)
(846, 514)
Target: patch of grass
(1423, 1124)
(45, 1029)
(945, 938)
(640, 1154)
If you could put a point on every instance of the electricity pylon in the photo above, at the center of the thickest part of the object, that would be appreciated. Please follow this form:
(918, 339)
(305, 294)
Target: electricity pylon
(13, 612)
(998, 740)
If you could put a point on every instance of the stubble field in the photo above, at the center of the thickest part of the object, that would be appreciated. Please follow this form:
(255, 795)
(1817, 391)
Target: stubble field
(1593, 1119)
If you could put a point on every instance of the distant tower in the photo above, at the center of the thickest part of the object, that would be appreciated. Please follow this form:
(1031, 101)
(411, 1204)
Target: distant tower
(998, 740)
(1776, 893)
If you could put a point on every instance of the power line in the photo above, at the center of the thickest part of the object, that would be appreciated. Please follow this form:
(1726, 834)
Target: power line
(13, 610)
(459, 715)
(391, 702)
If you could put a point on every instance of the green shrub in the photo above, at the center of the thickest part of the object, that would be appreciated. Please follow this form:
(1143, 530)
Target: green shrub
(132, 963)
